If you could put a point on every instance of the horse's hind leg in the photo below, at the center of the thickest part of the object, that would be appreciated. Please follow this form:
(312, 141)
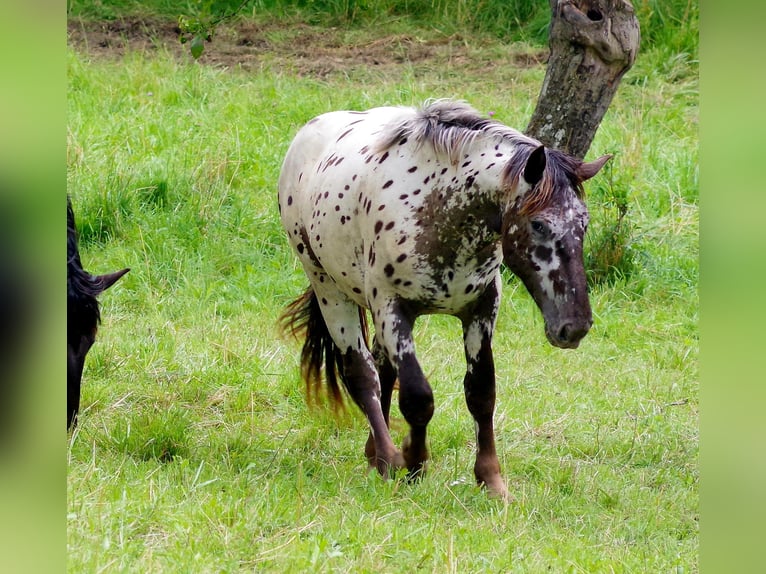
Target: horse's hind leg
(363, 384)
(479, 385)
(359, 374)
(387, 377)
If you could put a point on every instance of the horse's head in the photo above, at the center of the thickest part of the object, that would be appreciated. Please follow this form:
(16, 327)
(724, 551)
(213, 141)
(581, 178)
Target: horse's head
(543, 232)
(83, 314)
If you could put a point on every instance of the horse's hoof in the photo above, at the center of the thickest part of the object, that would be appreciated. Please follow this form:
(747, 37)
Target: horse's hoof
(416, 473)
(413, 459)
(503, 495)
(498, 491)
(384, 468)
(398, 460)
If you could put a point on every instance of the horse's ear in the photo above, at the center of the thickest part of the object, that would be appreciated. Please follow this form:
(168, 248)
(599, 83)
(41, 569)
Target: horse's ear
(533, 171)
(588, 170)
(107, 280)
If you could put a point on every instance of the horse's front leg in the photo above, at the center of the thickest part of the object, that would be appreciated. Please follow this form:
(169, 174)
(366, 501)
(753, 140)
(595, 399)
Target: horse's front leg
(479, 386)
(416, 399)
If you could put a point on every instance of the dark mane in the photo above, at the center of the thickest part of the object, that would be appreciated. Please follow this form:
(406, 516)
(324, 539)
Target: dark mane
(560, 174)
(82, 287)
(450, 126)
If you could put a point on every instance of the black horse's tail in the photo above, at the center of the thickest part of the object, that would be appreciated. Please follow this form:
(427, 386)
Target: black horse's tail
(303, 317)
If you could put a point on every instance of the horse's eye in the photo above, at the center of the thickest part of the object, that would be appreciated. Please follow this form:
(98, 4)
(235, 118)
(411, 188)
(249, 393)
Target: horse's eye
(538, 226)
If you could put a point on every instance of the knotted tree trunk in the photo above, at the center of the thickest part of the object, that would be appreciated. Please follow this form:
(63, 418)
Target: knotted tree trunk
(592, 44)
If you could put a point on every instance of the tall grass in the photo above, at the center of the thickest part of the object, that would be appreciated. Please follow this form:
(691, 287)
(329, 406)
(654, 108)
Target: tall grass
(195, 450)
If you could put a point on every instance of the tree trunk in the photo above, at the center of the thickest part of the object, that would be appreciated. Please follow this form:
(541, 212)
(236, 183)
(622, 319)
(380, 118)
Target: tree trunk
(592, 44)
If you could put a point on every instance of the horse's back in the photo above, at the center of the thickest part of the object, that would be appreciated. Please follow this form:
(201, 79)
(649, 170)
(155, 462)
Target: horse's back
(359, 211)
(323, 176)
(339, 130)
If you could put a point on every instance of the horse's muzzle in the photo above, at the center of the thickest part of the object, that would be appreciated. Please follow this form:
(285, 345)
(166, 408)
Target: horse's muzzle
(568, 334)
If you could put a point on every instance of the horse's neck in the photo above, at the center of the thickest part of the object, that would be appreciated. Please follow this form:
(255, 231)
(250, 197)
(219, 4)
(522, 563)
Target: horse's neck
(487, 169)
(466, 197)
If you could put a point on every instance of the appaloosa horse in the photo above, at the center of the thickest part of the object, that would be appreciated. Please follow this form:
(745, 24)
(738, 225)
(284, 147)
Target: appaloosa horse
(406, 212)
(83, 314)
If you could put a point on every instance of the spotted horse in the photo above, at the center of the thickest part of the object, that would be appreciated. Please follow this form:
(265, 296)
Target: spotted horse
(405, 212)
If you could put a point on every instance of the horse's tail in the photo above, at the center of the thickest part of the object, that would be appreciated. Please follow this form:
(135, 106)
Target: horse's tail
(303, 317)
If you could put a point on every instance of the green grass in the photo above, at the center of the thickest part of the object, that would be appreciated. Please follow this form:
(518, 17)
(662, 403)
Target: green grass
(671, 26)
(196, 452)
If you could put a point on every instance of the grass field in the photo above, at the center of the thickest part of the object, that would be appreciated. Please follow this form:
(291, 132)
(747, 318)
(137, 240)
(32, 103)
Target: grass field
(195, 450)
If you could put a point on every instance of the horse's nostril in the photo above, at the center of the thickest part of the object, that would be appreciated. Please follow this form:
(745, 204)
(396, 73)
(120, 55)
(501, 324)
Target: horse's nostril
(564, 333)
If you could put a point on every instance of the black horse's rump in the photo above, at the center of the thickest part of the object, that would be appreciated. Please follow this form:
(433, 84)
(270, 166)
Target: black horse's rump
(83, 314)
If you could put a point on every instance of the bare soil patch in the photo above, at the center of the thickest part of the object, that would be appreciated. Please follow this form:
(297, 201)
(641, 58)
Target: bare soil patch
(300, 48)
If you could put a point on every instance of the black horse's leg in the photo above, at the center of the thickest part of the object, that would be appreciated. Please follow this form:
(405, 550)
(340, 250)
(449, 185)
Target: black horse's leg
(75, 364)
(479, 386)
(387, 376)
(74, 376)
(416, 399)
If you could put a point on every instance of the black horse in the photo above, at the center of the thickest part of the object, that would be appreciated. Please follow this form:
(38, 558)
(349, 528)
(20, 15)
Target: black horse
(83, 315)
